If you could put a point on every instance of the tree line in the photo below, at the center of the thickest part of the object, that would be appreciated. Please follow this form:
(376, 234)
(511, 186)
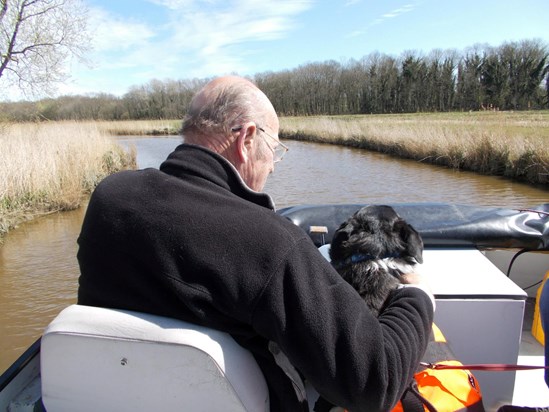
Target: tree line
(512, 76)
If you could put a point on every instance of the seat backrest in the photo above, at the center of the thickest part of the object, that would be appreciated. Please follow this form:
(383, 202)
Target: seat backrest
(96, 359)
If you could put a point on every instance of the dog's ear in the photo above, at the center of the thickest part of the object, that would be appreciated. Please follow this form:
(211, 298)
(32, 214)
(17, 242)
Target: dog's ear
(411, 239)
(340, 235)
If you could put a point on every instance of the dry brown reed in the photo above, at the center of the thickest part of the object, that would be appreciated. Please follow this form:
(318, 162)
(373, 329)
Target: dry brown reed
(515, 145)
(140, 127)
(48, 167)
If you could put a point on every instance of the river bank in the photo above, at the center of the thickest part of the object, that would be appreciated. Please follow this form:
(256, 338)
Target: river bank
(50, 167)
(509, 144)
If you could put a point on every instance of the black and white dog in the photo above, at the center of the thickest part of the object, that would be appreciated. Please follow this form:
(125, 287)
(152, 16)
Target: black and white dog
(373, 249)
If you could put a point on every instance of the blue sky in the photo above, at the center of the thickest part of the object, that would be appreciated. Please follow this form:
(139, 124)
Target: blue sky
(136, 41)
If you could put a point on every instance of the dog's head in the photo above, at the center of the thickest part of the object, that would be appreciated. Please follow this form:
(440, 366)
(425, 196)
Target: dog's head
(373, 249)
(379, 232)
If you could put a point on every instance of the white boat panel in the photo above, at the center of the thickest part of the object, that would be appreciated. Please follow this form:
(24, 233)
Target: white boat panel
(527, 269)
(480, 311)
(530, 387)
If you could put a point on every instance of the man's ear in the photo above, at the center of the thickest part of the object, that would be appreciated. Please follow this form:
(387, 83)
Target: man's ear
(245, 142)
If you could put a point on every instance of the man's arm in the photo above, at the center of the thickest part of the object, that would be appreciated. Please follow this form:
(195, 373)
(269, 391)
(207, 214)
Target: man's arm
(352, 358)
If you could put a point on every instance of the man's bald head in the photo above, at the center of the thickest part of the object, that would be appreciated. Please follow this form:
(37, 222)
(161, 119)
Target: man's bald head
(227, 116)
(222, 104)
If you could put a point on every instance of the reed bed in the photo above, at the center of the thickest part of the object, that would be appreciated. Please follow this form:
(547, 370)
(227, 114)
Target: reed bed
(514, 145)
(140, 127)
(49, 167)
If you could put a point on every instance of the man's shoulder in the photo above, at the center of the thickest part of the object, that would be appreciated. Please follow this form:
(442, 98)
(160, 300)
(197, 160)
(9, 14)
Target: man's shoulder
(279, 231)
(132, 174)
(129, 179)
(126, 188)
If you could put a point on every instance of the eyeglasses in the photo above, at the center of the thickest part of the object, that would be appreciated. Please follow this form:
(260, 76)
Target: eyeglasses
(279, 150)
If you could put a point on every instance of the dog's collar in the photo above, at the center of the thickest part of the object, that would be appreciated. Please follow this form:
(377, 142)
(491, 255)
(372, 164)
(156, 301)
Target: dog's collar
(360, 257)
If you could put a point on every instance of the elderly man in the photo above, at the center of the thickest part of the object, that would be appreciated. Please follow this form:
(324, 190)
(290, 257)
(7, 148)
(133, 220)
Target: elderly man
(198, 241)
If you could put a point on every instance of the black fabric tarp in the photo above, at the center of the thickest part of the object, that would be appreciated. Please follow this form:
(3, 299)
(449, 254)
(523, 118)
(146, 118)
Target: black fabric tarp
(443, 225)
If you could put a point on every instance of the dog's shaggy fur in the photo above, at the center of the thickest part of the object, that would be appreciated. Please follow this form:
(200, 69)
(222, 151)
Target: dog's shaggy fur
(373, 249)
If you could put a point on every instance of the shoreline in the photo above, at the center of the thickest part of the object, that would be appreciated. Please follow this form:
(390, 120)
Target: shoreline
(513, 145)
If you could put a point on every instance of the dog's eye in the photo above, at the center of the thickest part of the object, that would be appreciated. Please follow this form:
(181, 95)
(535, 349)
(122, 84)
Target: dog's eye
(364, 227)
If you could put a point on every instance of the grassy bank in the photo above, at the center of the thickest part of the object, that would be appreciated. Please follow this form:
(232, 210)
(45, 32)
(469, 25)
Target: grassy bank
(510, 144)
(515, 145)
(140, 127)
(48, 167)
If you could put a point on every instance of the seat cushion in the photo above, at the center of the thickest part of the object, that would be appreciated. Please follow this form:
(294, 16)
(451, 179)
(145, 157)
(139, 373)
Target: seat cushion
(103, 359)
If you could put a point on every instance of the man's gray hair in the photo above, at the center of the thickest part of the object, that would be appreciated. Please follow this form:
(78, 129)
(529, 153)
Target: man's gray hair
(225, 107)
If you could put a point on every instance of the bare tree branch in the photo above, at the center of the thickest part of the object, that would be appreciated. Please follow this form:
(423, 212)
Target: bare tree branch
(39, 36)
(3, 8)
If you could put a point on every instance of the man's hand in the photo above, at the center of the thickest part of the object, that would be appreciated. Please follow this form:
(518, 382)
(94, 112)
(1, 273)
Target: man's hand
(414, 279)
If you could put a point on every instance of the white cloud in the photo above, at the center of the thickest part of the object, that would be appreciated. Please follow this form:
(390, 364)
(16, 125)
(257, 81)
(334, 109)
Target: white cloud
(379, 20)
(213, 33)
(397, 12)
(173, 4)
(113, 33)
(202, 38)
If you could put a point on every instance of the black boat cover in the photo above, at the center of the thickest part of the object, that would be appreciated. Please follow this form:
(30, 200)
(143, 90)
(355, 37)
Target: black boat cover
(443, 225)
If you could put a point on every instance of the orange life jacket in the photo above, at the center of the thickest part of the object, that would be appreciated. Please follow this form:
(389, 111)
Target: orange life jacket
(441, 390)
(436, 390)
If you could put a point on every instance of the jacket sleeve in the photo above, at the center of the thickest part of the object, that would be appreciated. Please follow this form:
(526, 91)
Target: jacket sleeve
(352, 358)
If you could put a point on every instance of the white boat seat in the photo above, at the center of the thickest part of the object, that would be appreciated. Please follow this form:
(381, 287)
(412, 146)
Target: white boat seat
(96, 359)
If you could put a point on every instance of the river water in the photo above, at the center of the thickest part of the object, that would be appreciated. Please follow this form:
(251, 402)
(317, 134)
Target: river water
(38, 268)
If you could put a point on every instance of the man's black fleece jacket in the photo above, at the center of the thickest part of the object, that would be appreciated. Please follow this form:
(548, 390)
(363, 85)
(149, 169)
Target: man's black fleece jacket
(192, 241)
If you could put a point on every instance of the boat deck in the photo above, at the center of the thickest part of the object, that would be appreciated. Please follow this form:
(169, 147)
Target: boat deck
(530, 388)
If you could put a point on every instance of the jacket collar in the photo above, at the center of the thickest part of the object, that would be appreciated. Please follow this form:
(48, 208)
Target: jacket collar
(193, 160)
